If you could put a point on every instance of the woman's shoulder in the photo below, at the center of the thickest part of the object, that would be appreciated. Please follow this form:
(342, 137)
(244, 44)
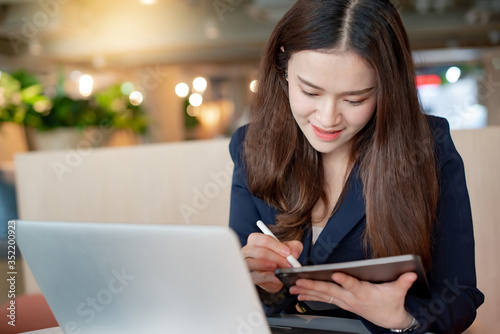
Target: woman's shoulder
(236, 143)
(443, 142)
(440, 128)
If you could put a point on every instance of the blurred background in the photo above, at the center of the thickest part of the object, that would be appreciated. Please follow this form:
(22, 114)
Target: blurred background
(151, 71)
(78, 74)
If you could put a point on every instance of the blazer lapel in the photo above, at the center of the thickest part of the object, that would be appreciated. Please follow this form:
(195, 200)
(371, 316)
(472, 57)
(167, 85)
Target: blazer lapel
(350, 212)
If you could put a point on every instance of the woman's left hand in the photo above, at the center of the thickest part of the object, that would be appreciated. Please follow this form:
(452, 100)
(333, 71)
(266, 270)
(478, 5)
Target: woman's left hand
(381, 304)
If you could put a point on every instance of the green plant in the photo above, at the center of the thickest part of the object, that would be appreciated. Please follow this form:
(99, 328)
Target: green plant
(68, 112)
(122, 114)
(190, 122)
(22, 101)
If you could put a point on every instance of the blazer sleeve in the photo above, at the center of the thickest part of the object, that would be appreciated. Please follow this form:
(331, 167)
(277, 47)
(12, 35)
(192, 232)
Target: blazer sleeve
(245, 209)
(242, 209)
(244, 212)
(452, 277)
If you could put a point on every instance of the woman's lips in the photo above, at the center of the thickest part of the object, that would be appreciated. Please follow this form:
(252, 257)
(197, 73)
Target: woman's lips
(326, 135)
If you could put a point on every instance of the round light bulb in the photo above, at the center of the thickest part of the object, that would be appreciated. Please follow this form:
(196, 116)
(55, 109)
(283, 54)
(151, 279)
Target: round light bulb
(86, 82)
(200, 84)
(182, 90)
(253, 86)
(453, 74)
(136, 98)
(193, 111)
(195, 100)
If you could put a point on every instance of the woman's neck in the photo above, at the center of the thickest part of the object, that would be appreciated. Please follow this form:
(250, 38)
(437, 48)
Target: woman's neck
(337, 164)
(336, 169)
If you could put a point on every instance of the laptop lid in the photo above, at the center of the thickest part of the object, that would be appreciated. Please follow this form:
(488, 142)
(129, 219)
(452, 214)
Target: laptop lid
(126, 278)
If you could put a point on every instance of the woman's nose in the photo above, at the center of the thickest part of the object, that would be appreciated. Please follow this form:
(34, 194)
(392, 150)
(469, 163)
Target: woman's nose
(329, 115)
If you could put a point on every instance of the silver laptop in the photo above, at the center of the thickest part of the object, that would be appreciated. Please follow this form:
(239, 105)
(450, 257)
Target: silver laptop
(124, 278)
(113, 278)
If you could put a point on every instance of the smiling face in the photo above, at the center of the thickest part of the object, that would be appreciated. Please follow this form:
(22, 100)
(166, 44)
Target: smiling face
(332, 96)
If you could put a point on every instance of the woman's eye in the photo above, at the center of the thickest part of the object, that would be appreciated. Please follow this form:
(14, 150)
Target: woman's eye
(308, 94)
(355, 103)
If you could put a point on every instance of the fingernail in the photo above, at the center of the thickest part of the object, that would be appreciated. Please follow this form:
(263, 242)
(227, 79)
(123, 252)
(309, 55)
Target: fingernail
(285, 251)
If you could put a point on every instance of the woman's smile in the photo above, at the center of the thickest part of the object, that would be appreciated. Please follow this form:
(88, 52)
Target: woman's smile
(326, 135)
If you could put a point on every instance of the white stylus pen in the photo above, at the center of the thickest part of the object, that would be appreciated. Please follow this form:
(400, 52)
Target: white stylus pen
(293, 261)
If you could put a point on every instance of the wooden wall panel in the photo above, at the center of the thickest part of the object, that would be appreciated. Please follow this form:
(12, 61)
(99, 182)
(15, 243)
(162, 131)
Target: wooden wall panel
(480, 150)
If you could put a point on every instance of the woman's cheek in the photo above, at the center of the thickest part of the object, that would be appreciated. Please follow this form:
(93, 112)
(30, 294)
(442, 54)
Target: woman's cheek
(300, 104)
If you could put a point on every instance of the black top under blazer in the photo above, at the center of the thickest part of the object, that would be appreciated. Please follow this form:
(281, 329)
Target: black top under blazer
(452, 277)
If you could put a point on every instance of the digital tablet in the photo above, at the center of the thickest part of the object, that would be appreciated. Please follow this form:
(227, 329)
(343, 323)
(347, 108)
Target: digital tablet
(386, 269)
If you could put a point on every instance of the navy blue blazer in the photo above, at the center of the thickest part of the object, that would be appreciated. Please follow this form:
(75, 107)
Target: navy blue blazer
(452, 277)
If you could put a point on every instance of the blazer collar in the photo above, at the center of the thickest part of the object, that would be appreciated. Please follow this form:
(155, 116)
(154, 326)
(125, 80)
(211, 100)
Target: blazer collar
(350, 212)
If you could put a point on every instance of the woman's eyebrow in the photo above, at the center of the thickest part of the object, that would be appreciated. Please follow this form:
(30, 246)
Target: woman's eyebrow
(305, 82)
(354, 92)
(358, 92)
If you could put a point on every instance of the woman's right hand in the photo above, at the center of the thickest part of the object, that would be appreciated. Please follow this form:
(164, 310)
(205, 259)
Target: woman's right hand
(264, 254)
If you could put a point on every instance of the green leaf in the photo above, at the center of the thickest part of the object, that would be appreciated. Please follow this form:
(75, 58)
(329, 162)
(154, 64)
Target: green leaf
(30, 94)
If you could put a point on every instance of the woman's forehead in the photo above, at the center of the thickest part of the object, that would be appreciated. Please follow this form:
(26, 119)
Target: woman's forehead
(324, 69)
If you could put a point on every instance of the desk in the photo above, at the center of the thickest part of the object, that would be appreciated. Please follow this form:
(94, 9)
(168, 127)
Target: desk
(285, 320)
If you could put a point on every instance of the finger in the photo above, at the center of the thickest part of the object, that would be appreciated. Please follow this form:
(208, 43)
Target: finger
(405, 281)
(324, 299)
(262, 277)
(319, 296)
(317, 288)
(296, 247)
(322, 289)
(295, 290)
(321, 286)
(347, 282)
(260, 265)
(322, 296)
(266, 241)
(271, 288)
(260, 253)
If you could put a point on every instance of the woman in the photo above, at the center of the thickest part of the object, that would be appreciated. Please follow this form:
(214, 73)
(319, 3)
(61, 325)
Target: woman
(340, 162)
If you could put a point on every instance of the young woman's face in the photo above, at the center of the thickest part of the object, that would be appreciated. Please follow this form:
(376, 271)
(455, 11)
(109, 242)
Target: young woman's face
(332, 97)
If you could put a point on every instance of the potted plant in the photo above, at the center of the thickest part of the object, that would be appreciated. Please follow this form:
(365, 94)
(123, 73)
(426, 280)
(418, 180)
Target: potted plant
(21, 101)
(63, 121)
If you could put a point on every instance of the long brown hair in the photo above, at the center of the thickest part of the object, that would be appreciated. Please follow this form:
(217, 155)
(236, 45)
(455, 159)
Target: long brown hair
(394, 150)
